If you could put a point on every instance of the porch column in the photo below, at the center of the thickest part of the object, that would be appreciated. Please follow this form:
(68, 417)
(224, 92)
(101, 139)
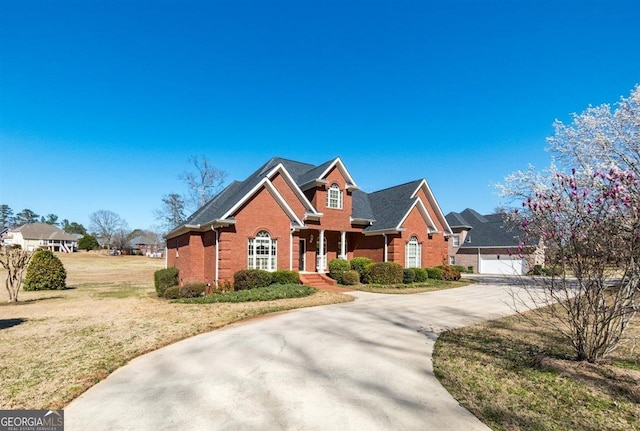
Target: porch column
(343, 245)
(321, 264)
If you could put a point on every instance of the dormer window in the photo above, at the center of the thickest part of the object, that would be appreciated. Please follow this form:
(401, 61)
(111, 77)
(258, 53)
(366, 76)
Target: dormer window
(334, 197)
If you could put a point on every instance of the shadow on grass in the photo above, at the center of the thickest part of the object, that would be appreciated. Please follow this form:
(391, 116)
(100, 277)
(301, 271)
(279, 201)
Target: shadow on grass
(30, 301)
(10, 323)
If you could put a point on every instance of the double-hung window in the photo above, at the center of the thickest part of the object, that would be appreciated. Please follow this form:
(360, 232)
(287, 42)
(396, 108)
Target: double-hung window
(334, 197)
(263, 252)
(413, 253)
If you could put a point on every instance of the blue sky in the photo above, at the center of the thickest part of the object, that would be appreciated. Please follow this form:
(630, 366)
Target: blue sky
(102, 102)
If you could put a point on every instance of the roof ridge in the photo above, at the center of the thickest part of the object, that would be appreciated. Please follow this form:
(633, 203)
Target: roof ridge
(396, 186)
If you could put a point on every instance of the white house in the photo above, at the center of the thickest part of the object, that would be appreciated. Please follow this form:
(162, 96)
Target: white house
(33, 236)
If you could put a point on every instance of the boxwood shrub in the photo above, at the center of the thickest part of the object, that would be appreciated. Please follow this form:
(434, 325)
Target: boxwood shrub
(45, 272)
(360, 264)
(172, 292)
(385, 273)
(192, 290)
(421, 275)
(350, 278)
(251, 279)
(434, 273)
(165, 278)
(337, 267)
(283, 276)
(409, 275)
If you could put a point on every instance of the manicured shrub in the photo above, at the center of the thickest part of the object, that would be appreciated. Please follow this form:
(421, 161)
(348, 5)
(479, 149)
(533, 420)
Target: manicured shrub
(421, 275)
(460, 268)
(284, 276)
(434, 273)
(45, 272)
(192, 290)
(251, 279)
(350, 278)
(385, 273)
(449, 273)
(409, 275)
(172, 292)
(360, 264)
(337, 267)
(88, 242)
(164, 278)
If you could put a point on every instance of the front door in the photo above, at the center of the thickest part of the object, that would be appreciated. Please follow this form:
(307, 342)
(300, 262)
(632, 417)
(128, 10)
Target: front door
(302, 255)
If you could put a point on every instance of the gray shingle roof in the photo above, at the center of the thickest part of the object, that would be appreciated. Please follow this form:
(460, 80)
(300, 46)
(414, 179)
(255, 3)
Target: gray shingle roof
(391, 205)
(385, 208)
(492, 230)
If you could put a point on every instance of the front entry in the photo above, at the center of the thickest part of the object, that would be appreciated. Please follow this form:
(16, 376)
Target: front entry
(302, 255)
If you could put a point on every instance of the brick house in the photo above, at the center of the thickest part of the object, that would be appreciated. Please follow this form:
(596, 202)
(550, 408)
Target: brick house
(489, 244)
(297, 216)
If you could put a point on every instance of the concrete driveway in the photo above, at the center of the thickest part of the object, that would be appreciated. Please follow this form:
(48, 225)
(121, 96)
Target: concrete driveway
(364, 365)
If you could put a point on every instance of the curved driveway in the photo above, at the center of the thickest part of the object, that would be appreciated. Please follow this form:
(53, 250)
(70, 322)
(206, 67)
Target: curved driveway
(364, 365)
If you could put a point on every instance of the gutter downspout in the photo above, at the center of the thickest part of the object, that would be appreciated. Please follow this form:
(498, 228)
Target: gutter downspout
(291, 249)
(217, 254)
(385, 247)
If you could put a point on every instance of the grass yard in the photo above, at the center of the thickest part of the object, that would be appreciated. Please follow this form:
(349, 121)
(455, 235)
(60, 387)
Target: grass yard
(428, 286)
(500, 372)
(56, 344)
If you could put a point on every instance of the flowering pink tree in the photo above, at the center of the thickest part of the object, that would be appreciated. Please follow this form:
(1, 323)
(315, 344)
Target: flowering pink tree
(589, 223)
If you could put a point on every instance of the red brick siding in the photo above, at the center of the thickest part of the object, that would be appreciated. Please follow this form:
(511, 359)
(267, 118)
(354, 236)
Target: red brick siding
(434, 250)
(289, 195)
(367, 246)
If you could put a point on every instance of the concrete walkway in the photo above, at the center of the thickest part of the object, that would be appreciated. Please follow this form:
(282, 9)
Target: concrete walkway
(364, 365)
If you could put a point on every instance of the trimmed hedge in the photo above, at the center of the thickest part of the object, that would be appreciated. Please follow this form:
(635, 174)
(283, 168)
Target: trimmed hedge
(251, 278)
(350, 278)
(421, 275)
(385, 273)
(337, 267)
(360, 264)
(45, 272)
(165, 278)
(269, 293)
(192, 290)
(434, 273)
(283, 276)
(460, 268)
(409, 275)
(172, 292)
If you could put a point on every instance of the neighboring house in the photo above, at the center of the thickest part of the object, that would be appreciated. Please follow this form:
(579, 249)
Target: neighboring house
(42, 235)
(296, 216)
(146, 244)
(490, 244)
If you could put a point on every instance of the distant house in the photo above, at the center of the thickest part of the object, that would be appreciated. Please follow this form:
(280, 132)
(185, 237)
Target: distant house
(490, 244)
(33, 236)
(146, 244)
(298, 216)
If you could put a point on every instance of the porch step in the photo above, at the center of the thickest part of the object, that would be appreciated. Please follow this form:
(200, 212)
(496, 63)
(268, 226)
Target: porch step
(321, 281)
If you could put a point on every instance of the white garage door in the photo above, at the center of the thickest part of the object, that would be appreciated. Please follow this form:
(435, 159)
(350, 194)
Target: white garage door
(502, 265)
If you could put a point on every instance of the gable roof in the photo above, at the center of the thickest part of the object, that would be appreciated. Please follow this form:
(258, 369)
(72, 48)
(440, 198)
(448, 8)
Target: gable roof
(44, 231)
(384, 210)
(492, 230)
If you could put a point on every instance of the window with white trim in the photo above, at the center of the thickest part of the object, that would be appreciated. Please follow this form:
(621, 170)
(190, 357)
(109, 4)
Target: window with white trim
(413, 253)
(334, 197)
(456, 240)
(263, 252)
(452, 260)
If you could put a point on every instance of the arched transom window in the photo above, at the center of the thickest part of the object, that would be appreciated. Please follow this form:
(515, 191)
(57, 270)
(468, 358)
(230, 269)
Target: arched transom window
(334, 197)
(413, 255)
(263, 252)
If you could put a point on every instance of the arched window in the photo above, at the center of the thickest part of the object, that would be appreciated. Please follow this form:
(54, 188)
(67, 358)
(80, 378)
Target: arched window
(263, 252)
(413, 253)
(334, 197)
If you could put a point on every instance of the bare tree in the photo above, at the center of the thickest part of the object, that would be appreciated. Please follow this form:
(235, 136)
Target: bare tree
(203, 183)
(15, 261)
(171, 214)
(106, 224)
